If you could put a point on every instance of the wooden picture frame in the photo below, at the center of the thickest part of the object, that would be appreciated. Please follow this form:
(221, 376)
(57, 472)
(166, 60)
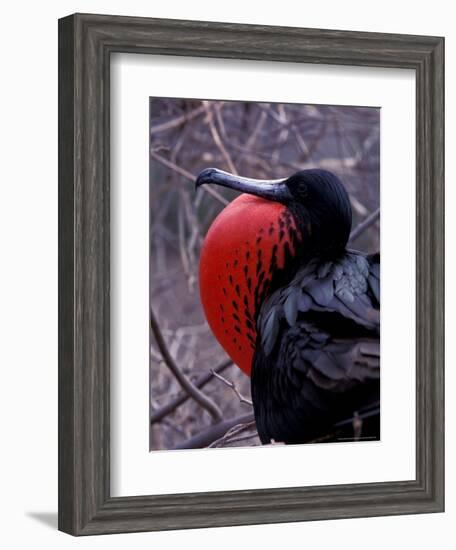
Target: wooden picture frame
(85, 45)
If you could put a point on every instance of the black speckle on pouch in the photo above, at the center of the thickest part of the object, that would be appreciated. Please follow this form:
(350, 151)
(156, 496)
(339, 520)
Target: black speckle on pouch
(258, 267)
(249, 325)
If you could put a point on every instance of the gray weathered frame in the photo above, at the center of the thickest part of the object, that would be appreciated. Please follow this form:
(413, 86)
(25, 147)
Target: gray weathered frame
(85, 45)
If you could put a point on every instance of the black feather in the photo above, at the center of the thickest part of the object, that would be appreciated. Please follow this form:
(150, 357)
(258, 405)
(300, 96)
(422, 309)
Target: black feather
(318, 358)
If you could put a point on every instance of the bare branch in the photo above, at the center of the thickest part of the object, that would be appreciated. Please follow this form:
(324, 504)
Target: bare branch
(358, 206)
(232, 440)
(357, 426)
(256, 131)
(360, 228)
(206, 437)
(217, 139)
(200, 382)
(231, 433)
(174, 122)
(270, 111)
(231, 385)
(202, 399)
(181, 235)
(188, 175)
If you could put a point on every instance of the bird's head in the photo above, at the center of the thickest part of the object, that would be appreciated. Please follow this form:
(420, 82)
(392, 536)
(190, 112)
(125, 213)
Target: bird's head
(259, 240)
(316, 199)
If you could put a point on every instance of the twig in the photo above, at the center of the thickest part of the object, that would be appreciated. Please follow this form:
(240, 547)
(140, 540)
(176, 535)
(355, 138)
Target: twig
(231, 385)
(188, 175)
(328, 437)
(181, 235)
(357, 426)
(173, 123)
(202, 399)
(362, 415)
(234, 431)
(357, 204)
(206, 437)
(300, 141)
(217, 139)
(243, 438)
(254, 135)
(361, 227)
(270, 111)
(200, 382)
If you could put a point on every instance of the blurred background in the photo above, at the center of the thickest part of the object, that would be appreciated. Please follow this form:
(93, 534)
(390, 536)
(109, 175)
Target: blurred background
(198, 398)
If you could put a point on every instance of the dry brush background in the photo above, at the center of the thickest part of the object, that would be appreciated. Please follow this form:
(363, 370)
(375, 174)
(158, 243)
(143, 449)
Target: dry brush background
(198, 398)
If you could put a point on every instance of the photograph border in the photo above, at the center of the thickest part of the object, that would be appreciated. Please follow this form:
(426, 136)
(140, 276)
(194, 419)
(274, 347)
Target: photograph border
(85, 45)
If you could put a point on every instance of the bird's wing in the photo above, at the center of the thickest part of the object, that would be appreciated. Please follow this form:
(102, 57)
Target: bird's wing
(328, 320)
(319, 338)
(332, 364)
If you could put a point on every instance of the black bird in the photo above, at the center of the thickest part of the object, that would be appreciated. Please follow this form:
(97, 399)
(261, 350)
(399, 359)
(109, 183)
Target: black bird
(294, 307)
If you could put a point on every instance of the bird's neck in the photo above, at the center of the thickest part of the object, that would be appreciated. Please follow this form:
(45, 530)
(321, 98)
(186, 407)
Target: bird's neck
(325, 237)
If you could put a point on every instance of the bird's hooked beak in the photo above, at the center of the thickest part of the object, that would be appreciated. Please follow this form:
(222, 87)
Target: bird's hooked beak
(273, 190)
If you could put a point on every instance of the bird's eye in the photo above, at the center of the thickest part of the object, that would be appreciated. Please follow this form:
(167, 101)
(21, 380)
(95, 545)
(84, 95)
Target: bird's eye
(303, 190)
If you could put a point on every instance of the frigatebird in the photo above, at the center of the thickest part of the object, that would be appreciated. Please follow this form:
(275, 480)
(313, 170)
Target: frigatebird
(293, 306)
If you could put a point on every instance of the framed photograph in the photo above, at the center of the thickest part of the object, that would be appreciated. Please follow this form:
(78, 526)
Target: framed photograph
(232, 199)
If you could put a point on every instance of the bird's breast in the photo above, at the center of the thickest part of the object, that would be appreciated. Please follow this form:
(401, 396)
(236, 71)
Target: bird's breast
(246, 246)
